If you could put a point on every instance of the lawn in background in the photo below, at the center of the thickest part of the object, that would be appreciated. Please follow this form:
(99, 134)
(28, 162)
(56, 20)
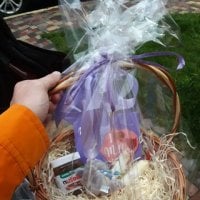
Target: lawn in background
(187, 80)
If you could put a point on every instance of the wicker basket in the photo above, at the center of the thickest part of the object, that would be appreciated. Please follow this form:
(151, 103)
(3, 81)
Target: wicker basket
(66, 135)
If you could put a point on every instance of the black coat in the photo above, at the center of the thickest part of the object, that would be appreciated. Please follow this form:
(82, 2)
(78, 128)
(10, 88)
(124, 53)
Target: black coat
(20, 60)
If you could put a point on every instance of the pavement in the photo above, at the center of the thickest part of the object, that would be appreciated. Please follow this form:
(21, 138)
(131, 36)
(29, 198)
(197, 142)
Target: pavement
(29, 26)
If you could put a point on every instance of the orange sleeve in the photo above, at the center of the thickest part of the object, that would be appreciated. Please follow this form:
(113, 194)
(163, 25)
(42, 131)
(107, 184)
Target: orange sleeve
(23, 141)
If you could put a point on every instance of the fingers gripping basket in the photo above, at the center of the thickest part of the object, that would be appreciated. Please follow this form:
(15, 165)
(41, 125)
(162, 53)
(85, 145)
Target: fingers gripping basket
(41, 178)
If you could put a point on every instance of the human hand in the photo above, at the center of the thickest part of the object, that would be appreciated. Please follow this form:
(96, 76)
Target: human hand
(34, 94)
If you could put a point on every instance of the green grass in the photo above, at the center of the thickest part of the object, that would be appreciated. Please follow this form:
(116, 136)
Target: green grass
(187, 80)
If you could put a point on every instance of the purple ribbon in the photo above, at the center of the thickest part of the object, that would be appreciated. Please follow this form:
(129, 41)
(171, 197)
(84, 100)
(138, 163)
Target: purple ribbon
(140, 58)
(88, 107)
(136, 58)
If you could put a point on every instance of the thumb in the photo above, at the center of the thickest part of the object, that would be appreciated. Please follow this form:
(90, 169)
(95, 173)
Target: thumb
(50, 80)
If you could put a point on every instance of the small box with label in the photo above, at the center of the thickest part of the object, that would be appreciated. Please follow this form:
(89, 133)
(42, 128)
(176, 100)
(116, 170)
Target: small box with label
(68, 172)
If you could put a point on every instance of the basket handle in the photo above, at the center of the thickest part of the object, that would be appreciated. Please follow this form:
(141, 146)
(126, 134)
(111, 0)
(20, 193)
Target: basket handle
(166, 78)
(69, 79)
(64, 83)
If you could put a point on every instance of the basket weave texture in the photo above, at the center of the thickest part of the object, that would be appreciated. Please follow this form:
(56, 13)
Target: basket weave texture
(66, 135)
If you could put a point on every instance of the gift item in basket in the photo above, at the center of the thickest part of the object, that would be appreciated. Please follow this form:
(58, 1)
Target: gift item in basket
(119, 124)
(68, 172)
(103, 109)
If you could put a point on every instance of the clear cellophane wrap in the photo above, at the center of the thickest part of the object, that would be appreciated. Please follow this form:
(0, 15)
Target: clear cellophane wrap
(118, 111)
